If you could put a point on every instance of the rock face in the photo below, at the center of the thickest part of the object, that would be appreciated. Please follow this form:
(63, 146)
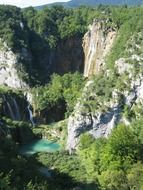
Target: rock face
(69, 56)
(101, 123)
(96, 44)
(8, 71)
(96, 123)
(99, 116)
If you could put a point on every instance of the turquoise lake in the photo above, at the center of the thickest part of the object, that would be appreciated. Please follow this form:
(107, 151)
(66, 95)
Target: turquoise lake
(42, 145)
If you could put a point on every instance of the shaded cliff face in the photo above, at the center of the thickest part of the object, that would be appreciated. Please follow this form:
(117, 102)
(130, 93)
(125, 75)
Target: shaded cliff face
(24, 69)
(69, 56)
(97, 43)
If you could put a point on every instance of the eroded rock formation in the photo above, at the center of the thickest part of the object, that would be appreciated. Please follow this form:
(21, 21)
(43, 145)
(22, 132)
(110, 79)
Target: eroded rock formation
(9, 61)
(97, 43)
(99, 116)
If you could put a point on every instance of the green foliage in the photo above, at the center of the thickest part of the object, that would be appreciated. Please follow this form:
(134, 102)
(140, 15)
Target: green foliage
(65, 163)
(135, 176)
(66, 88)
(10, 30)
(5, 182)
(137, 126)
(122, 148)
(37, 186)
(100, 92)
(129, 22)
(116, 162)
(113, 179)
(90, 152)
(56, 23)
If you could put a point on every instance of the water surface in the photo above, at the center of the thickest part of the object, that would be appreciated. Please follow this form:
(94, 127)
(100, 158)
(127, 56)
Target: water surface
(42, 145)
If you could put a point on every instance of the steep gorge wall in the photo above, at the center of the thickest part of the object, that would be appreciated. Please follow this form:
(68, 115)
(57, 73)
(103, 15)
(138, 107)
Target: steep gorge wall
(85, 54)
(69, 56)
(104, 101)
(97, 43)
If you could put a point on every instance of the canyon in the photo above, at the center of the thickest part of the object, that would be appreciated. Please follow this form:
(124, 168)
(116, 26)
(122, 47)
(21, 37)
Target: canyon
(87, 55)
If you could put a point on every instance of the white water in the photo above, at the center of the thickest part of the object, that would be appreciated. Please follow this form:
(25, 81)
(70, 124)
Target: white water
(13, 108)
(5, 131)
(30, 114)
(1, 129)
(10, 110)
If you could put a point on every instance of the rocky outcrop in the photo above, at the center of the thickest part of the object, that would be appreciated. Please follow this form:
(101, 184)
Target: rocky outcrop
(96, 114)
(9, 61)
(14, 106)
(68, 56)
(96, 44)
(100, 123)
(96, 123)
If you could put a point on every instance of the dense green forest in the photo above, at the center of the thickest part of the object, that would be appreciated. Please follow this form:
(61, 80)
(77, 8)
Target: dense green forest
(77, 3)
(115, 163)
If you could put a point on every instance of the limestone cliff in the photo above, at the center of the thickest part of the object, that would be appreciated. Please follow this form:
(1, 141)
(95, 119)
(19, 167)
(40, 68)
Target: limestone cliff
(97, 42)
(111, 97)
(9, 61)
(69, 56)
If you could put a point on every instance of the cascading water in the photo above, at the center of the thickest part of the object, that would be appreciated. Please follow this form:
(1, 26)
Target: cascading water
(5, 130)
(17, 112)
(30, 115)
(12, 115)
(8, 106)
(12, 108)
(1, 129)
(8, 132)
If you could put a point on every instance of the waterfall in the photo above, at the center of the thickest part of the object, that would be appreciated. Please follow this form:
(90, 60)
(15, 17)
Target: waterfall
(17, 112)
(30, 114)
(12, 107)
(1, 129)
(10, 110)
(5, 130)
(8, 132)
